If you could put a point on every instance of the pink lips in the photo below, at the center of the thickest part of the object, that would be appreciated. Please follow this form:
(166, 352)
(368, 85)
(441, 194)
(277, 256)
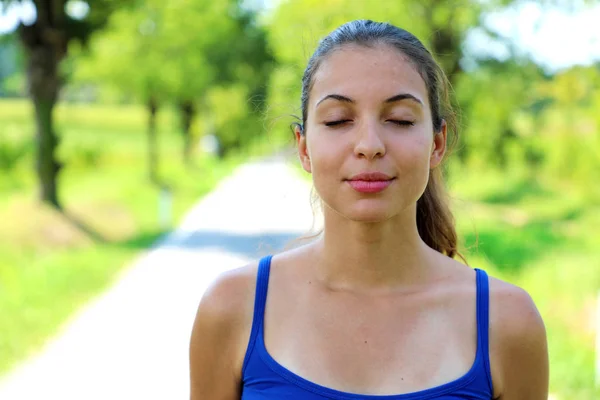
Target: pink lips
(370, 182)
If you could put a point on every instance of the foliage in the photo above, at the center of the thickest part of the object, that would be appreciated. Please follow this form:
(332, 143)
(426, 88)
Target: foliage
(183, 59)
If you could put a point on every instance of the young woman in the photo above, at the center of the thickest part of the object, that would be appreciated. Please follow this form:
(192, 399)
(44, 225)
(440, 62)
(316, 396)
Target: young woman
(376, 307)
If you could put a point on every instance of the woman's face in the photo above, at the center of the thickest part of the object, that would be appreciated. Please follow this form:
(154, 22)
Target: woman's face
(368, 112)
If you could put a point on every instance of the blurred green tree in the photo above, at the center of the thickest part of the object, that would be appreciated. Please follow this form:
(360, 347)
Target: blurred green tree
(568, 125)
(491, 98)
(125, 57)
(46, 43)
(219, 44)
(176, 52)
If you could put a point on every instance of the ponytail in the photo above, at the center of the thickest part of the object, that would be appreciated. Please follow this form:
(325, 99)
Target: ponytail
(435, 221)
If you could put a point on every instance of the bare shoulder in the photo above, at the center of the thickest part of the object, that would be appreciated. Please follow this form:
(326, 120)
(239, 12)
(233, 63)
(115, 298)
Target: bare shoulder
(518, 344)
(513, 314)
(220, 334)
(230, 295)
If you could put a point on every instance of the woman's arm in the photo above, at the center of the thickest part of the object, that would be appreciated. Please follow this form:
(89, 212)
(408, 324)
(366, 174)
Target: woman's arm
(518, 345)
(220, 336)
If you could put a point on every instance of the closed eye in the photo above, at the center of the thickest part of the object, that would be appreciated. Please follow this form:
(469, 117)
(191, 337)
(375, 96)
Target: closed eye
(336, 123)
(401, 123)
(397, 122)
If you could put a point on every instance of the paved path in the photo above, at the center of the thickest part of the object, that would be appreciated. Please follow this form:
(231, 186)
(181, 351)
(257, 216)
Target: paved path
(132, 342)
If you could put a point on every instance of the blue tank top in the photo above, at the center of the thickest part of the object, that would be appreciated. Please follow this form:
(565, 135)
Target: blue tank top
(263, 378)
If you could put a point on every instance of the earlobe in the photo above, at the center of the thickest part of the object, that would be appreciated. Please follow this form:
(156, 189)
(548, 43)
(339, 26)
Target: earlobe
(305, 160)
(302, 149)
(306, 165)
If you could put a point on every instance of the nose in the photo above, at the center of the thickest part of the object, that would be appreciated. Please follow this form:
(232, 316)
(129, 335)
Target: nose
(369, 143)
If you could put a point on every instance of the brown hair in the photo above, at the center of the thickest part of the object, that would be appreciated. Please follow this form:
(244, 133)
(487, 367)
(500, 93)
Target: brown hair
(435, 221)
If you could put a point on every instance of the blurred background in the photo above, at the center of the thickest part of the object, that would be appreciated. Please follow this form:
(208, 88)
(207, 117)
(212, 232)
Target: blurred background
(116, 116)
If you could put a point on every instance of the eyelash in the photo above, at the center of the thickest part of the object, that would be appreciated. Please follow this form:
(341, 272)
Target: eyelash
(340, 122)
(336, 123)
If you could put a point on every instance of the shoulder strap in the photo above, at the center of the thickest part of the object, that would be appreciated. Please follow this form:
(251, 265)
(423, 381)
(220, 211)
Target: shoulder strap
(260, 299)
(483, 320)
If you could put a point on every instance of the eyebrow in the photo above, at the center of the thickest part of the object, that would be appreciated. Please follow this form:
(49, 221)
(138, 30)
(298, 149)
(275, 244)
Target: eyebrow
(393, 99)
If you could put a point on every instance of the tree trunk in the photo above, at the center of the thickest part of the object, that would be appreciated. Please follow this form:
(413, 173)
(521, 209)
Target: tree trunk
(152, 140)
(188, 112)
(47, 142)
(44, 53)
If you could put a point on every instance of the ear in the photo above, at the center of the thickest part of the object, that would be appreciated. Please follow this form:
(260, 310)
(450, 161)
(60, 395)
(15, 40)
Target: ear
(438, 147)
(302, 148)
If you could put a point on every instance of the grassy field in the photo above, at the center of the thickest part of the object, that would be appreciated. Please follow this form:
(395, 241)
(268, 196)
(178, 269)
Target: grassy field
(538, 233)
(49, 264)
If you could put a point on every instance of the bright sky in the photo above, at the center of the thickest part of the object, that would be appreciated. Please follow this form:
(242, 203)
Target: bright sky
(554, 38)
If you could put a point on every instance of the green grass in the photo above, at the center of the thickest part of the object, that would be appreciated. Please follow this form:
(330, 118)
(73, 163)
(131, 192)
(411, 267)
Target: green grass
(49, 265)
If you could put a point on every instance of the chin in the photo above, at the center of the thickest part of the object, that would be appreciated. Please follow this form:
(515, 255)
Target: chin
(368, 213)
(367, 210)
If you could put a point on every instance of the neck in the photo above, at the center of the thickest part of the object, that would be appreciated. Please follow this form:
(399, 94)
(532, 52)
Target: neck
(359, 256)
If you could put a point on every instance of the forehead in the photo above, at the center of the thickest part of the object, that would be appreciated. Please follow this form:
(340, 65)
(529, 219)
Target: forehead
(367, 73)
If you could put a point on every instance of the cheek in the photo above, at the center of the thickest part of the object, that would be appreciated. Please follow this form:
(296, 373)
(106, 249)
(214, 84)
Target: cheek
(325, 154)
(327, 159)
(415, 151)
(413, 163)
